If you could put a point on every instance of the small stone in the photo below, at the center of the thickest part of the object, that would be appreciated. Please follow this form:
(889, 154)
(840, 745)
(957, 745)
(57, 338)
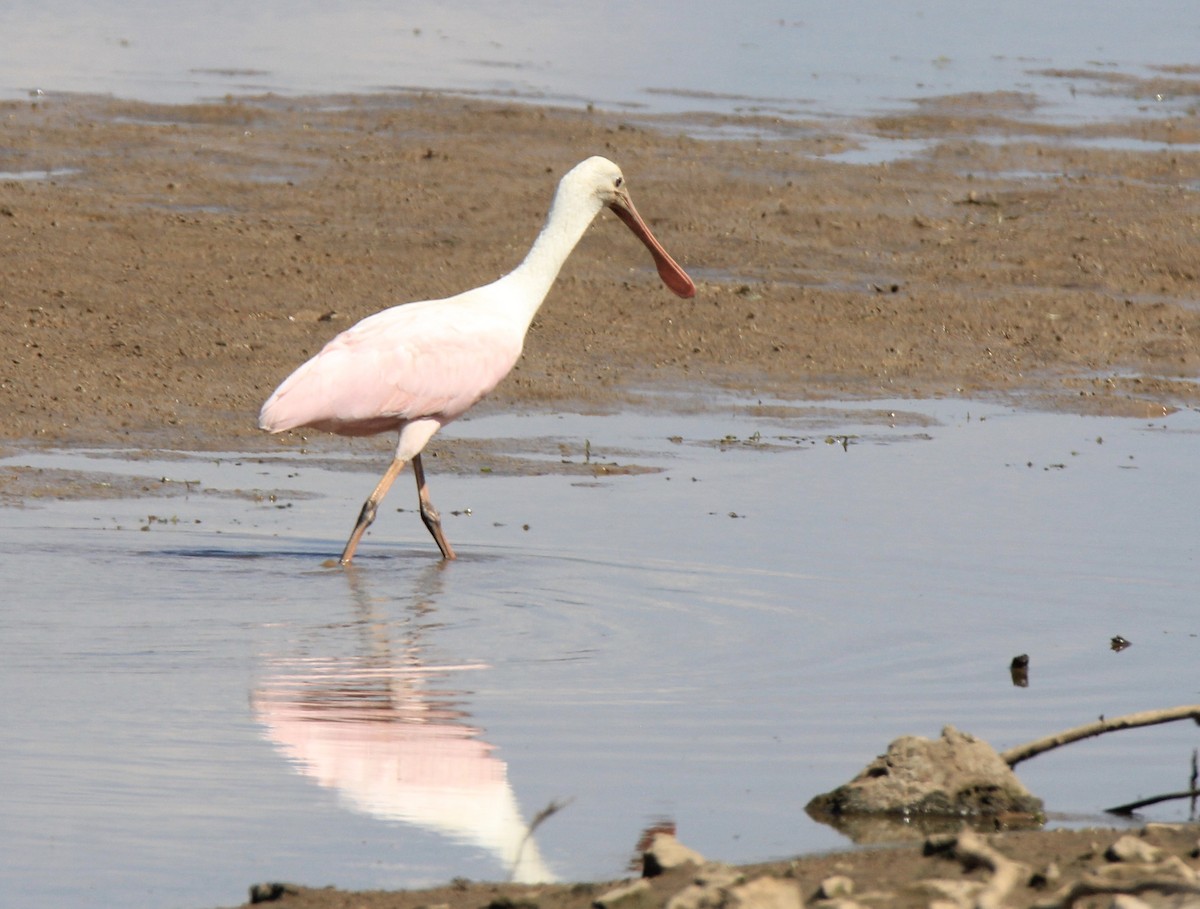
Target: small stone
(508, 902)
(764, 893)
(694, 896)
(1130, 848)
(718, 874)
(636, 895)
(270, 892)
(1127, 901)
(1164, 827)
(1047, 877)
(709, 888)
(664, 853)
(940, 844)
(1176, 867)
(952, 892)
(835, 887)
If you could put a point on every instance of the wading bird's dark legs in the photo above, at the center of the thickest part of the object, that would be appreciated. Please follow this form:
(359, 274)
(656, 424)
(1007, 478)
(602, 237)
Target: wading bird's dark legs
(429, 514)
(367, 515)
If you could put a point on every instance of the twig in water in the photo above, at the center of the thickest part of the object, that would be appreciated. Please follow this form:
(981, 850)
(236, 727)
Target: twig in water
(1193, 781)
(549, 811)
(1153, 800)
(553, 808)
(1014, 756)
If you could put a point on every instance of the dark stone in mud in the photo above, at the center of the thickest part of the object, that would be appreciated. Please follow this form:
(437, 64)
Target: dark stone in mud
(635, 895)
(956, 775)
(1132, 849)
(666, 852)
(270, 892)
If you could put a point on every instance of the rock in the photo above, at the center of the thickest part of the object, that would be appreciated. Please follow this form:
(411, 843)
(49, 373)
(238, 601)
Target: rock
(695, 896)
(709, 888)
(1175, 866)
(835, 887)
(1132, 849)
(312, 315)
(1047, 877)
(956, 775)
(726, 890)
(636, 895)
(505, 901)
(664, 853)
(974, 851)
(718, 875)
(940, 844)
(945, 892)
(269, 893)
(1128, 901)
(764, 893)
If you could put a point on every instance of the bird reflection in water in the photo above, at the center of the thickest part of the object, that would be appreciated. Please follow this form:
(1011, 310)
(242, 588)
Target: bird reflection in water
(373, 725)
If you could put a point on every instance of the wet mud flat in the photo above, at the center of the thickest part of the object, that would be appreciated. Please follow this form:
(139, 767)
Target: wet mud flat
(166, 266)
(1049, 869)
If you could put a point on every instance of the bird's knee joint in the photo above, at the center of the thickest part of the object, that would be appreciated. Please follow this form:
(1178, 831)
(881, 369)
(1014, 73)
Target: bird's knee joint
(367, 516)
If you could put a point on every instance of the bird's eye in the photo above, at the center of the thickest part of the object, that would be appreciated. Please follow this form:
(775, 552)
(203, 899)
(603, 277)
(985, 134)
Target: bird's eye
(619, 182)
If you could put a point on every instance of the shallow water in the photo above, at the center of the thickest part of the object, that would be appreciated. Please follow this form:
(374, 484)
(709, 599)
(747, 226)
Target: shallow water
(800, 60)
(193, 703)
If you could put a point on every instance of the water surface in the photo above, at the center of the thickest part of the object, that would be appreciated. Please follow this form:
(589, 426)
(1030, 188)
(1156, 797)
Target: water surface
(193, 703)
(799, 59)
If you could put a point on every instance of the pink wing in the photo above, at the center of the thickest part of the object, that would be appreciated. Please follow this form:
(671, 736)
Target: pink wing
(408, 362)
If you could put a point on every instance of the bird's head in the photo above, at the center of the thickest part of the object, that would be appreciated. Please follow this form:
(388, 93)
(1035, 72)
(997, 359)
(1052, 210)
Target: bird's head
(600, 179)
(603, 181)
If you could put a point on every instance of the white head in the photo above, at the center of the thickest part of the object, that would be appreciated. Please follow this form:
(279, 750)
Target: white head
(598, 182)
(597, 179)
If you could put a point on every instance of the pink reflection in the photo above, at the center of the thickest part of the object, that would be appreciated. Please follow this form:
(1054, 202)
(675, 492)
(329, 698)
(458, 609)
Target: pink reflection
(371, 727)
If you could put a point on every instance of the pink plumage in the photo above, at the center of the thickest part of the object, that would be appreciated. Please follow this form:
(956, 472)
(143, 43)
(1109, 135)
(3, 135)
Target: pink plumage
(413, 368)
(408, 362)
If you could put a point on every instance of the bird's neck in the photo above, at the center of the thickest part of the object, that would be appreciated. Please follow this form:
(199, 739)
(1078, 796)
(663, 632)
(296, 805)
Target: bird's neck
(560, 234)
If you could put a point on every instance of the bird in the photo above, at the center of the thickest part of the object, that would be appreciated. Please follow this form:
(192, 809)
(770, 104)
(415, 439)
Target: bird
(415, 367)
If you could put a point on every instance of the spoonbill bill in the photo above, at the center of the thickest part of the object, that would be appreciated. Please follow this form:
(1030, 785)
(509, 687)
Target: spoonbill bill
(415, 367)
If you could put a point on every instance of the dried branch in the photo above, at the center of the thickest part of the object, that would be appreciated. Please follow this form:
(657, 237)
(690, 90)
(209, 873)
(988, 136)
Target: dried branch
(1014, 756)
(1153, 800)
(549, 811)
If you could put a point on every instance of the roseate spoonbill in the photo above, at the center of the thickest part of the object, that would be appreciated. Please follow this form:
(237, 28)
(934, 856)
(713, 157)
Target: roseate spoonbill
(417, 366)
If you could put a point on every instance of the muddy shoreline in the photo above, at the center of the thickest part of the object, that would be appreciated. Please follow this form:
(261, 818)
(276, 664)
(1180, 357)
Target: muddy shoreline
(166, 266)
(174, 263)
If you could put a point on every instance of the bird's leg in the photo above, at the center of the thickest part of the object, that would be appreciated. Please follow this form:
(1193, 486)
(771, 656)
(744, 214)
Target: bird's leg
(367, 515)
(429, 514)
